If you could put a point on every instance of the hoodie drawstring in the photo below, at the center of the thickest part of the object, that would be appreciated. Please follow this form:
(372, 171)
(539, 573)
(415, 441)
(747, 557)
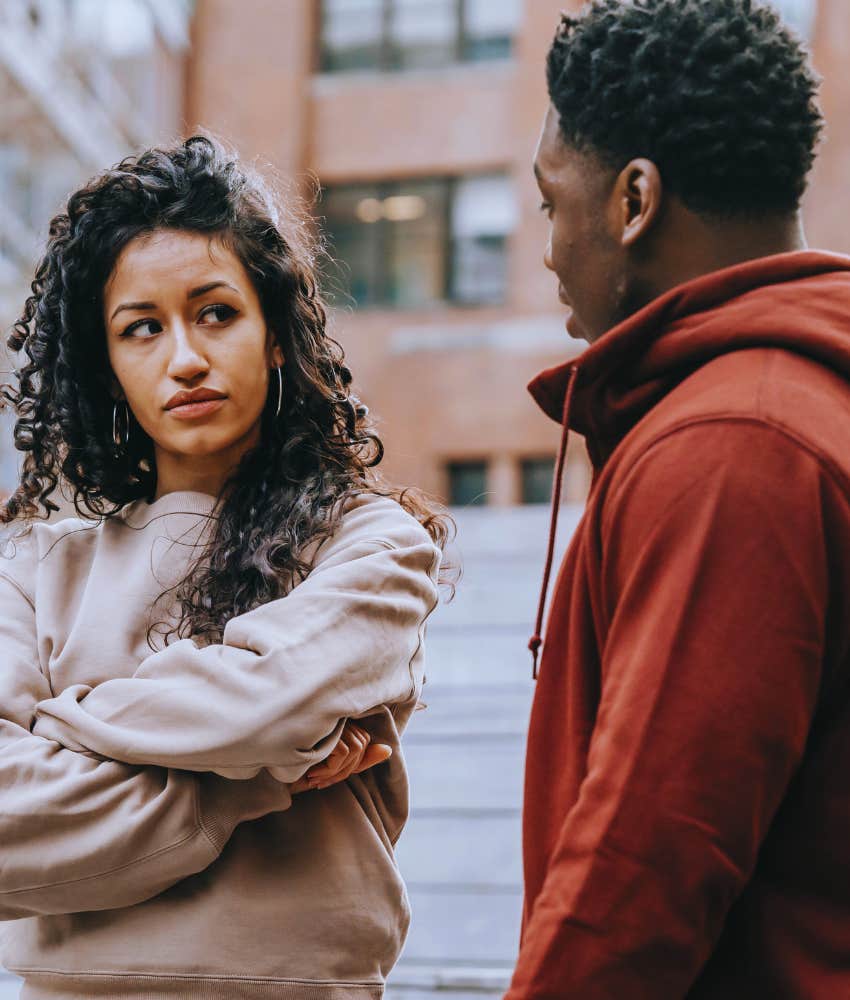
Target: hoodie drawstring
(536, 640)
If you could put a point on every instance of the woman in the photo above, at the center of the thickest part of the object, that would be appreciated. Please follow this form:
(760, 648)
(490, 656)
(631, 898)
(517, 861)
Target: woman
(238, 586)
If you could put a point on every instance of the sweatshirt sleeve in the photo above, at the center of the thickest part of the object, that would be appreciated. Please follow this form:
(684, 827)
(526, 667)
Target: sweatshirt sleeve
(277, 691)
(81, 833)
(715, 594)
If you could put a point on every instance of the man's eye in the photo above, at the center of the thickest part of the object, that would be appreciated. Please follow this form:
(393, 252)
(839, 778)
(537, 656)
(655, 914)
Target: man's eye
(136, 329)
(218, 313)
(546, 207)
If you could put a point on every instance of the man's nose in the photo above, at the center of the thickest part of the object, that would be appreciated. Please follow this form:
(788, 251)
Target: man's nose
(187, 360)
(547, 256)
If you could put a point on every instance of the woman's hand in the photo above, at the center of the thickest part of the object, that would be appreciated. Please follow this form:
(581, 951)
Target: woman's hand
(354, 753)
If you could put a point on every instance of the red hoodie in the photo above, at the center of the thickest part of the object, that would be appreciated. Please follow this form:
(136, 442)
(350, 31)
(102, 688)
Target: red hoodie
(687, 812)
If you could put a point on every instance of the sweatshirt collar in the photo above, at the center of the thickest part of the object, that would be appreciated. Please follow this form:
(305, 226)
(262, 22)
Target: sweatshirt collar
(140, 513)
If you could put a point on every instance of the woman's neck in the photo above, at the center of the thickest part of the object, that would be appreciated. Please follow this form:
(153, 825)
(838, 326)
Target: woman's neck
(196, 473)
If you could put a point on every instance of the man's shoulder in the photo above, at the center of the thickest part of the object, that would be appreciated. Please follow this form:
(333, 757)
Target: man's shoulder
(764, 387)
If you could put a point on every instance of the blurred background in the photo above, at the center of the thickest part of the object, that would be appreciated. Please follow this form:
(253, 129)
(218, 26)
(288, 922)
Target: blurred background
(416, 120)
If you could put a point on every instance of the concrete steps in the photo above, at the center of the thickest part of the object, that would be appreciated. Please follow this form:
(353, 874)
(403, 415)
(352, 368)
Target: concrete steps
(461, 851)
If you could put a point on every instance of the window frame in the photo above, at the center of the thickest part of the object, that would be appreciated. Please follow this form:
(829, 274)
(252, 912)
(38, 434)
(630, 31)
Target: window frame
(383, 189)
(484, 494)
(525, 463)
(389, 54)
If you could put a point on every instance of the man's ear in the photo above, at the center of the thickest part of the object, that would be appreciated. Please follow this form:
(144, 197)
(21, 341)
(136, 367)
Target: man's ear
(638, 192)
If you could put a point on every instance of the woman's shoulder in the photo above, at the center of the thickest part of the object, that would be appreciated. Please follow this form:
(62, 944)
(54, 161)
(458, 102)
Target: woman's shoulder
(24, 548)
(381, 519)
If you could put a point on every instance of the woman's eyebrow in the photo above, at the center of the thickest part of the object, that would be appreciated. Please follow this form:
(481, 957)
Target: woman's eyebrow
(133, 306)
(203, 289)
(193, 293)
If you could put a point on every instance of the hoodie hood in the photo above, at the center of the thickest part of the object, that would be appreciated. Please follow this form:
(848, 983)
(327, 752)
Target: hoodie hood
(798, 301)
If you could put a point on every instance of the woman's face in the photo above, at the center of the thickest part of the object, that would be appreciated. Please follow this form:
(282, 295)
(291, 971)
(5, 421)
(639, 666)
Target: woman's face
(182, 316)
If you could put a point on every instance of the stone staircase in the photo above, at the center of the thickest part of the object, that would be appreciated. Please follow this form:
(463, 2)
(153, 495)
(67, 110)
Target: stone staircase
(460, 853)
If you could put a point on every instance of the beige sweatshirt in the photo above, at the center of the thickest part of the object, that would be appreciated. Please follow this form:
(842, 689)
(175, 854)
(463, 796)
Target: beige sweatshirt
(150, 847)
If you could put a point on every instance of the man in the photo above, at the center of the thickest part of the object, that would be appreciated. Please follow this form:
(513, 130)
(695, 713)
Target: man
(687, 814)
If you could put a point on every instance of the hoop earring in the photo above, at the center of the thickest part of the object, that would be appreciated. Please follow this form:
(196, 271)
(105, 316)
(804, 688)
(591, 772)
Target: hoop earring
(120, 438)
(279, 390)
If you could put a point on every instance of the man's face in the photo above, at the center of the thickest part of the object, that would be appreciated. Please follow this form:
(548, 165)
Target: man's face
(582, 250)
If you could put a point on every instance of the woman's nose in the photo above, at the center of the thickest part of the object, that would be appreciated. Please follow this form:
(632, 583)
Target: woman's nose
(547, 256)
(187, 361)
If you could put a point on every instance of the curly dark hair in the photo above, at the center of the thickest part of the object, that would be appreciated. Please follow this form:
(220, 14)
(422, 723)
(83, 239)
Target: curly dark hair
(717, 93)
(286, 492)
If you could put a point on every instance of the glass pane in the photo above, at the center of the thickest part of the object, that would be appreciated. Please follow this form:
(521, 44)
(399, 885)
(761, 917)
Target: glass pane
(424, 33)
(484, 205)
(798, 14)
(354, 243)
(351, 34)
(489, 28)
(483, 216)
(414, 216)
(118, 29)
(467, 484)
(537, 475)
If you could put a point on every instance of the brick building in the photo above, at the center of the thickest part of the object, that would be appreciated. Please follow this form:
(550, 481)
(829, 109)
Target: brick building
(82, 83)
(419, 120)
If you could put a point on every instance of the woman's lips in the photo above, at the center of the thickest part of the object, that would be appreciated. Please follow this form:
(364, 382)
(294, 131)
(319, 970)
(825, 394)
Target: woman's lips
(191, 411)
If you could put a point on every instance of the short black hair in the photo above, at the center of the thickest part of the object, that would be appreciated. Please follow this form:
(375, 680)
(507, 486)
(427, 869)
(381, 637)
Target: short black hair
(719, 94)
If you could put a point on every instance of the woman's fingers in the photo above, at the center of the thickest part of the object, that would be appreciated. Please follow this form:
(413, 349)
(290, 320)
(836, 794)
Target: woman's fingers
(302, 785)
(354, 753)
(351, 747)
(376, 753)
(345, 756)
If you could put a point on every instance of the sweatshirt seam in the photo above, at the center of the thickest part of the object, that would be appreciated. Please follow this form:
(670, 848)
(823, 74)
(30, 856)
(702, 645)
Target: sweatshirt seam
(192, 977)
(199, 818)
(420, 637)
(19, 588)
(839, 479)
(5, 893)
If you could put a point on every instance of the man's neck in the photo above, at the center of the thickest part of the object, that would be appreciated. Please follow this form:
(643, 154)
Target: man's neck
(692, 246)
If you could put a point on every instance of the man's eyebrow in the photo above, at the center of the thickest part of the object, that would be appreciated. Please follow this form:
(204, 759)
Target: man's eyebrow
(194, 293)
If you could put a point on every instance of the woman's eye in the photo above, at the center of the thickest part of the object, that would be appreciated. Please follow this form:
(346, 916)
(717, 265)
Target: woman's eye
(218, 313)
(546, 207)
(138, 328)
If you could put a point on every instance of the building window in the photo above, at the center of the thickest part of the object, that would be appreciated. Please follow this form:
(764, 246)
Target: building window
(409, 244)
(414, 34)
(467, 483)
(537, 475)
(798, 14)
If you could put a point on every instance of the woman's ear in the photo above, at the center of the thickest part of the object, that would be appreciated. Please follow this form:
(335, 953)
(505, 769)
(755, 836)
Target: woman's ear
(115, 390)
(274, 351)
